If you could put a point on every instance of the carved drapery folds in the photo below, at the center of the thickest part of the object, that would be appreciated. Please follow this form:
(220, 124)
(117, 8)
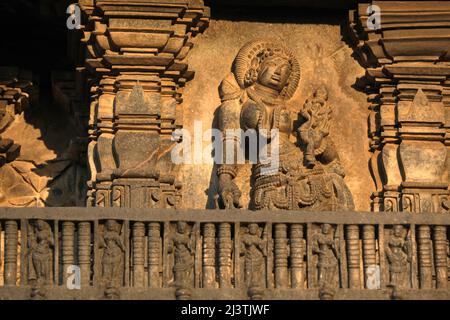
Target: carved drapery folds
(408, 85)
(137, 53)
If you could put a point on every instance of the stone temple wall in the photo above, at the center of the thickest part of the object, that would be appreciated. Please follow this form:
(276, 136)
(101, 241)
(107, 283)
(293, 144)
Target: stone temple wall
(358, 207)
(325, 59)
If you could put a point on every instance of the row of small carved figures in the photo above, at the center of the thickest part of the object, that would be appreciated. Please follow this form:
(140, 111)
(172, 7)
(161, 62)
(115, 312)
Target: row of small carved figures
(255, 245)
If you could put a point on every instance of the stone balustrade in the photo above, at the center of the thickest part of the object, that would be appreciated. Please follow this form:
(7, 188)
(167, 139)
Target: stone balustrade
(127, 253)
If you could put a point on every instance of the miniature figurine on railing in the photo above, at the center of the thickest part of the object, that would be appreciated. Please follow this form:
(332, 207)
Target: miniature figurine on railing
(254, 250)
(40, 243)
(112, 260)
(182, 245)
(324, 244)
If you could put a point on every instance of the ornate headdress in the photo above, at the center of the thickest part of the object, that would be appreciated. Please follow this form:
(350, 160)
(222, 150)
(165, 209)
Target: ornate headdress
(250, 58)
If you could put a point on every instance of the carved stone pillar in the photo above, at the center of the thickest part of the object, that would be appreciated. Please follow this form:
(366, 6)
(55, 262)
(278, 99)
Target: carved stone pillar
(425, 257)
(440, 256)
(297, 253)
(68, 247)
(154, 254)
(137, 54)
(408, 84)
(84, 252)
(353, 254)
(225, 249)
(209, 255)
(281, 256)
(369, 253)
(138, 253)
(11, 246)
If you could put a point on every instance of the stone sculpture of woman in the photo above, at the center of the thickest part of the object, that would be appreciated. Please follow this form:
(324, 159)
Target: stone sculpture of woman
(112, 260)
(254, 249)
(308, 176)
(324, 245)
(41, 253)
(397, 253)
(181, 244)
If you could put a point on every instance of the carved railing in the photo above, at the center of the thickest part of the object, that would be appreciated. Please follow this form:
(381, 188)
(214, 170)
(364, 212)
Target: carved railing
(148, 254)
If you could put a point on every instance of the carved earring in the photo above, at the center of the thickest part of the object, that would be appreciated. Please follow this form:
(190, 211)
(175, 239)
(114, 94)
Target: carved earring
(251, 76)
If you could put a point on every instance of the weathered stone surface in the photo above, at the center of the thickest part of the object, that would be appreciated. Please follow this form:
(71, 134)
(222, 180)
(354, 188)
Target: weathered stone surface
(180, 247)
(361, 106)
(407, 74)
(137, 53)
(324, 60)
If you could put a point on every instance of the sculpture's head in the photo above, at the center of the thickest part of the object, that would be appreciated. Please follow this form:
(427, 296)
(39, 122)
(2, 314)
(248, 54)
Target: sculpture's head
(253, 229)
(269, 64)
(274, 72)
(181, 227)
(111, 225)
(326, 228)
(40, 225)
(398, 230)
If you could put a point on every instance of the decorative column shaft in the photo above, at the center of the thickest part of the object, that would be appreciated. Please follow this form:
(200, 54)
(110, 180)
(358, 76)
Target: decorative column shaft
(154, 254)
(297, 253)
(138, 253)
(369, 251)
(68, 247)
(353, 254)
(84, 252)
(225, 249)
(441, 256)
(425, 262)
(209, 255)
(281, 256)
(11, 246)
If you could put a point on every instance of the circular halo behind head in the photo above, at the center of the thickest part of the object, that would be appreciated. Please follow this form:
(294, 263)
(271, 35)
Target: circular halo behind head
(249, 59)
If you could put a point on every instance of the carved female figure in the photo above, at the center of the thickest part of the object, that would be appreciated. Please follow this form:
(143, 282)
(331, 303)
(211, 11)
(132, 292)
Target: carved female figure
(324, 245)
(254, 96)
(41, 253)
(112, 260)
(181, 244)
(316, 127)
(397, 254)
(254, 249)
